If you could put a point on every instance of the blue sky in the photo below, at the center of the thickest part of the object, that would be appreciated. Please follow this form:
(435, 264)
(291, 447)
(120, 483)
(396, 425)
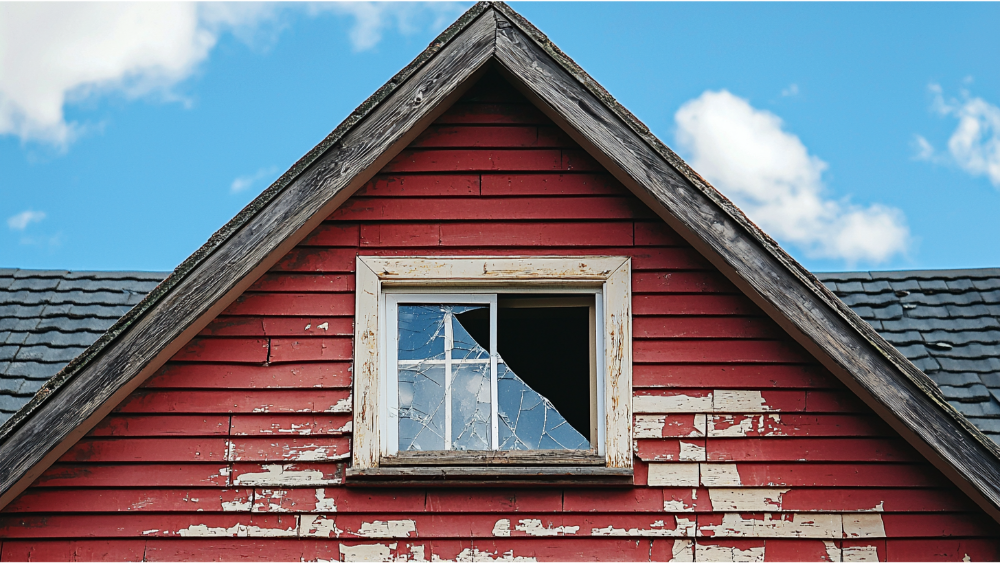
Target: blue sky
(862, 136)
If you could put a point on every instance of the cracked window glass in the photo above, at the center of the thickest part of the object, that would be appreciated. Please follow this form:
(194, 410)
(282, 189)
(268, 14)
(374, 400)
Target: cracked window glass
(446, 386)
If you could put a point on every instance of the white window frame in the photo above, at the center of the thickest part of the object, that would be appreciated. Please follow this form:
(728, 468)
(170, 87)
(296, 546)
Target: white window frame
(389, 303)
(461, 277)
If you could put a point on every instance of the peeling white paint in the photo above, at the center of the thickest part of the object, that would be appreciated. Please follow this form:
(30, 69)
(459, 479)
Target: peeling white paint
(324, 326)
(311, 452)
(314, 526)
(502, 528)
(387, 529)
(746, 500)
(324, 504)
(705, 552)
(417, 552)
(683, 527)
(343, 405)
(739, 401)
(720, 475)
(278, 475)
(691, 452)
(677, 506)
(473, 554)
(672, 475)
(535, 528)
(796, 525)
(265, 501)
(859, 553)
(649, 426)
(147, 532)
(729, 429)
(682, 551)
(671, 404)
(237, 506)
(863, 526)
(372, 552)
(237, 531)
(832, 551)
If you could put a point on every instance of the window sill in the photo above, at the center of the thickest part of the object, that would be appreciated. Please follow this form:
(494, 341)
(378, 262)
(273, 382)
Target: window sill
(493, 475)
(493, 458)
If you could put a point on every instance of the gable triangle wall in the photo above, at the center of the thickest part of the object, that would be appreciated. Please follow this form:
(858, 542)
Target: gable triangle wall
(746, 445)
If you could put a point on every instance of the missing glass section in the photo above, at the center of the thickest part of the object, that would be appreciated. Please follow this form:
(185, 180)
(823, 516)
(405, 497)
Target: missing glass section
(546, 363)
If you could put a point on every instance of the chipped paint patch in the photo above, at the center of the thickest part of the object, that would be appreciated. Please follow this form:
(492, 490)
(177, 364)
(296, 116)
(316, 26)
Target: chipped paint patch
(683, 527)
(265, 501)
(682, 551)
(343, 405)
(535, 528)
(671, 404)
(672, 475)
(691, 452)
(859, 553)
(278, 475)
(313, 526)
(502, 528)
(237, 531)
(720, 475)
(473, 554)
(746, 500)
(677, 506)
(739, 401)
(832, 551)
(649, 426)
(372, 552)
(776, 526)
(387, 529)
(237, 506)
(722, 553)
(863, 526)
(324, 504)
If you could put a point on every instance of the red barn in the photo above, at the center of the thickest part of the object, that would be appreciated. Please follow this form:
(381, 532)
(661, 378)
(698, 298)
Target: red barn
(491, 317)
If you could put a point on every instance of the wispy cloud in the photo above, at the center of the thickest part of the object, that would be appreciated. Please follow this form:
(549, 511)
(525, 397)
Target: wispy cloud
(792, 90)
(52, 54)
(243, 183)
(975, 144)
(770, 174)
(21, 221)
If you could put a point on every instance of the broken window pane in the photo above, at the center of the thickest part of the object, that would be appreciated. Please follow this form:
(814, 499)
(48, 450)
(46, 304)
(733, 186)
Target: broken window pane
(445, 380)
(529, 421)
(421, 407)
(470, 398)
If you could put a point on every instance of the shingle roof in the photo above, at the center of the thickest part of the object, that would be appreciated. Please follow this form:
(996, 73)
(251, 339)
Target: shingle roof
(47, 317)
(947, 322)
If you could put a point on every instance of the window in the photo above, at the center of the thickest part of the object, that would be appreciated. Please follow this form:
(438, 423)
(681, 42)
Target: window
(454, 360)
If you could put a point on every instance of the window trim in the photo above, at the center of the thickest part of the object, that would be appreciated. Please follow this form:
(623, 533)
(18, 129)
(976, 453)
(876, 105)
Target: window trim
(450, 274)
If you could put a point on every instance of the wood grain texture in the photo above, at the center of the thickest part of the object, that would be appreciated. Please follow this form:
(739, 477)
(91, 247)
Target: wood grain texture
(889, 382)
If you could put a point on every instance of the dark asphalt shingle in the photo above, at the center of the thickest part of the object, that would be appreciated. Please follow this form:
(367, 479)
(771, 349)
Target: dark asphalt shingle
(947, 322)
(48, 317)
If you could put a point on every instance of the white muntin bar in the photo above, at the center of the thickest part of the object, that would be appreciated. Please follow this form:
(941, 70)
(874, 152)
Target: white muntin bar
(494, 396)
(449, 343)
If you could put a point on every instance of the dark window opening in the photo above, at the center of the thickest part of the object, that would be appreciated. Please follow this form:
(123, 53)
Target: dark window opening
(547, 341)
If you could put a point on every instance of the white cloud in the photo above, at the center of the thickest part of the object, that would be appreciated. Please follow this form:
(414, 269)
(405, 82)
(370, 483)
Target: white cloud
(244, 182)
(792, 90)
(770, 174)
(21, 221)
(52, 53)
(975, 144)
(924, 150)
(372, 19)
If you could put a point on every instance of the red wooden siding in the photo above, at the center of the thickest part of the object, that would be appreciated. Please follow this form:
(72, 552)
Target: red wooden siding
(745, 447)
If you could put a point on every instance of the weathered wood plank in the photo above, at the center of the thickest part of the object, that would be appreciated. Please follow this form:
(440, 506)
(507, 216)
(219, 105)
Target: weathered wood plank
(493, 209)
(314, 376)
